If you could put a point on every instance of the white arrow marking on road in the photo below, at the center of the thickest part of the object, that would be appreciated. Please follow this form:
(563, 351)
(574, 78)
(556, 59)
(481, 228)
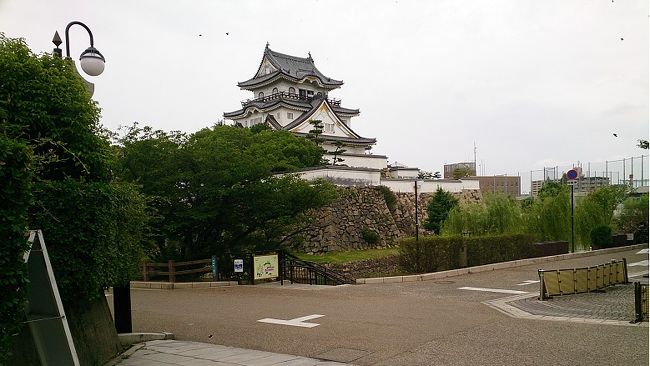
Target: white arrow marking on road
(297, 322)
(642, 263)
(643, 251)
(497, 290)
(528, 282)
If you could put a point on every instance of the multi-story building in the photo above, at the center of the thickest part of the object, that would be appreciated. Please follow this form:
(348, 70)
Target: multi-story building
(509, 185)
(468, 167)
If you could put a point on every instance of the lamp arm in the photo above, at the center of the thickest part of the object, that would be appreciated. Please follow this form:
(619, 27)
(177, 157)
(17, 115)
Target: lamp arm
(67, 37)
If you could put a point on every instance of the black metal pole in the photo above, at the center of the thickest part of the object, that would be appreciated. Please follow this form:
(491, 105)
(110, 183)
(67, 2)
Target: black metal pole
(67, 37)
(573, 245)
(417, 223)
(122, 308)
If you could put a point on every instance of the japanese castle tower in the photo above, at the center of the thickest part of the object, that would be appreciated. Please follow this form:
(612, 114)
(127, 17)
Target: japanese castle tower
(289, 92)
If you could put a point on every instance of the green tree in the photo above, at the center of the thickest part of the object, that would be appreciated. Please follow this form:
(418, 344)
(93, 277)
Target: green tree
(96, 240)
(496, 214)
(428, 175)
(596, 209)
(438, 209)
(549, 216)
(218, 189)
(336, 154)
(633, 218)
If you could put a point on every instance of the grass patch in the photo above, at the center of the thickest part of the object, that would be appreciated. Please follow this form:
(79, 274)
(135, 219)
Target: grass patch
(348, 256)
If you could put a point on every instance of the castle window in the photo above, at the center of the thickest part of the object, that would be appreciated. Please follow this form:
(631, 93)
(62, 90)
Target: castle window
(290, 115)
(275, 90)
(292, 90)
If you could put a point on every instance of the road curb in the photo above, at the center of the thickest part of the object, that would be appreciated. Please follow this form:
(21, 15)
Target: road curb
(494, 266)
(180, 285)
(128, 339)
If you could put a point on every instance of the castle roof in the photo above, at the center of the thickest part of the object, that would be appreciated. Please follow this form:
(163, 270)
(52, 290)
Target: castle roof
(288, 67)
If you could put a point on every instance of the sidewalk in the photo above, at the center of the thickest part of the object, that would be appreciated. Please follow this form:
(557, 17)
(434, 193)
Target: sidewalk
(184, 353)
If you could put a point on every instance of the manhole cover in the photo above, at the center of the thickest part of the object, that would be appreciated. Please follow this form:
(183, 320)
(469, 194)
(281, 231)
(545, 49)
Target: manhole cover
(444, 282)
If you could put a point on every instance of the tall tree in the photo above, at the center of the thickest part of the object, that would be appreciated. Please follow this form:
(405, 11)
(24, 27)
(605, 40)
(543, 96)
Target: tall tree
(438, 209)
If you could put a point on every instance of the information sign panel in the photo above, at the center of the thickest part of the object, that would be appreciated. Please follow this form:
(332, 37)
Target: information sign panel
(239, 265)
(266, 266)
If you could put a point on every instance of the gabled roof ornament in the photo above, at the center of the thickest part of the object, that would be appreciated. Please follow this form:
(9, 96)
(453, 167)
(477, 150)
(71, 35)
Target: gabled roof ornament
(309, 53)
(267, 45)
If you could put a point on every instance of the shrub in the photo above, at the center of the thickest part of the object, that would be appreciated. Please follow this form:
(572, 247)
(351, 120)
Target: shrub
(15, 182)
(601, 236)
(438, 209)
(389, 197)
(634, 218)
(498, 248)
(370, 236)
(433, 253)
(97, 246)
(430, 253)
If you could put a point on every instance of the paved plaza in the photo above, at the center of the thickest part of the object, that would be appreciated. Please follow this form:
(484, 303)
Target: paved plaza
(453, 321)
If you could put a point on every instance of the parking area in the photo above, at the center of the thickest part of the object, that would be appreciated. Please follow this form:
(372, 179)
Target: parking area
(411, 323)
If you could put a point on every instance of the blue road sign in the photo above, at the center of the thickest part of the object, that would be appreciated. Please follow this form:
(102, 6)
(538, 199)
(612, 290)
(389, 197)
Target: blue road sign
(572, 174)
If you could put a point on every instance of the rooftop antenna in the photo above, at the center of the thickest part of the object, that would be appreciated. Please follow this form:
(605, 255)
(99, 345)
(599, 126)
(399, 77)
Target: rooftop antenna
(474, 155)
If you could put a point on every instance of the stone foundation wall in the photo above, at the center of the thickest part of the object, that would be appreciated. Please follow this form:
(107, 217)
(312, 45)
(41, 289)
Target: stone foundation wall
(341, 225)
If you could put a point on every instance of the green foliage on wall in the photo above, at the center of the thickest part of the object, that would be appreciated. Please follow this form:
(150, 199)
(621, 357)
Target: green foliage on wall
(15, 195)
(389, 197)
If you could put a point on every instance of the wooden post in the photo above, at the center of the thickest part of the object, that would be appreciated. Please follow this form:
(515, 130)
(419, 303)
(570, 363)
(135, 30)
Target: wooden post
(145, 272)
(172, 272)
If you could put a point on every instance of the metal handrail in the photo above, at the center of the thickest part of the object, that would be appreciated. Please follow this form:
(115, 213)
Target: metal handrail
(314, 270)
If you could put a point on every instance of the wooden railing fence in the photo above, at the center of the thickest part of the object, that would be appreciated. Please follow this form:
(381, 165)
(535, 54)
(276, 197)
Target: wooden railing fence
(172, 269)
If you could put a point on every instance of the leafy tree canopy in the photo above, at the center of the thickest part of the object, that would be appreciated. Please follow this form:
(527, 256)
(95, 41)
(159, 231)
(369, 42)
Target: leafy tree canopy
(218, 190)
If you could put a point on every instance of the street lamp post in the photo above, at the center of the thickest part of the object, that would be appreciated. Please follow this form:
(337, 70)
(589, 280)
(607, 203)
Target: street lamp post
(91, 60)
(417, 219)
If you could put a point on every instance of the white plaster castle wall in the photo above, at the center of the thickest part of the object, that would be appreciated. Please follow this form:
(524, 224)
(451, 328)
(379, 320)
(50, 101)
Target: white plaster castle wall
(367, 161)
(344, 177)
(404, 173)
(348, 149)
(429, 186)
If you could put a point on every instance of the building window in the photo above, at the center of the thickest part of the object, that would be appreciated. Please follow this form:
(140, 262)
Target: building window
(290, 115)
(292, 90)
(275, 90)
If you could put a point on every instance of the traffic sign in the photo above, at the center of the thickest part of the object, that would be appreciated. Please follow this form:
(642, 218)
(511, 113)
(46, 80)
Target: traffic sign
(572, 174)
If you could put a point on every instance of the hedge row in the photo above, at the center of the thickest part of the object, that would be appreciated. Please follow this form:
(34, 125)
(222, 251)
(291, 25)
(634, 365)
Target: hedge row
(15, 181)
(435, 253)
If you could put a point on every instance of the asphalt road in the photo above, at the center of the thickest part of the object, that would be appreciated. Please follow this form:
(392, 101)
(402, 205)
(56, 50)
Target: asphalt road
(415, 323)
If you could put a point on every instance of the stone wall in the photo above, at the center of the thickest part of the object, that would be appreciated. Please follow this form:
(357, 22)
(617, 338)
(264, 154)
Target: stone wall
(341, 225)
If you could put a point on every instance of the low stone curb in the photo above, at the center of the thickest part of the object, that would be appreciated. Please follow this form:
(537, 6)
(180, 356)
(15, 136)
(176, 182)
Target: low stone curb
(128, 339)
(494, 266)
(180, 285)
(124, 355)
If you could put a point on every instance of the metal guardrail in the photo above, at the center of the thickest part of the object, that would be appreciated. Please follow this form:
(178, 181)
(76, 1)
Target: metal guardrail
(640, 302)
(301, 271)
(581, 280)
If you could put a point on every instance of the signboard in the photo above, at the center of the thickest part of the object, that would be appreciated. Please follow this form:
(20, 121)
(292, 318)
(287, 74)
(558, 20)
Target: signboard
(214, 267)
(239, 265)
(266, 266)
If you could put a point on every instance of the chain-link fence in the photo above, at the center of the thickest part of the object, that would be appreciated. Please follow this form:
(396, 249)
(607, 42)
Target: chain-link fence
(632, 171)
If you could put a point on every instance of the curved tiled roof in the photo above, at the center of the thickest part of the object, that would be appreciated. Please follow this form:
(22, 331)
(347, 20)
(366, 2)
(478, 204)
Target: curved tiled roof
(297, 104)
(292, 68)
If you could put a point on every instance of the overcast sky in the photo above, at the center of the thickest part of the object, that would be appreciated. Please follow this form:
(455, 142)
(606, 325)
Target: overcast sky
(534, 83)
